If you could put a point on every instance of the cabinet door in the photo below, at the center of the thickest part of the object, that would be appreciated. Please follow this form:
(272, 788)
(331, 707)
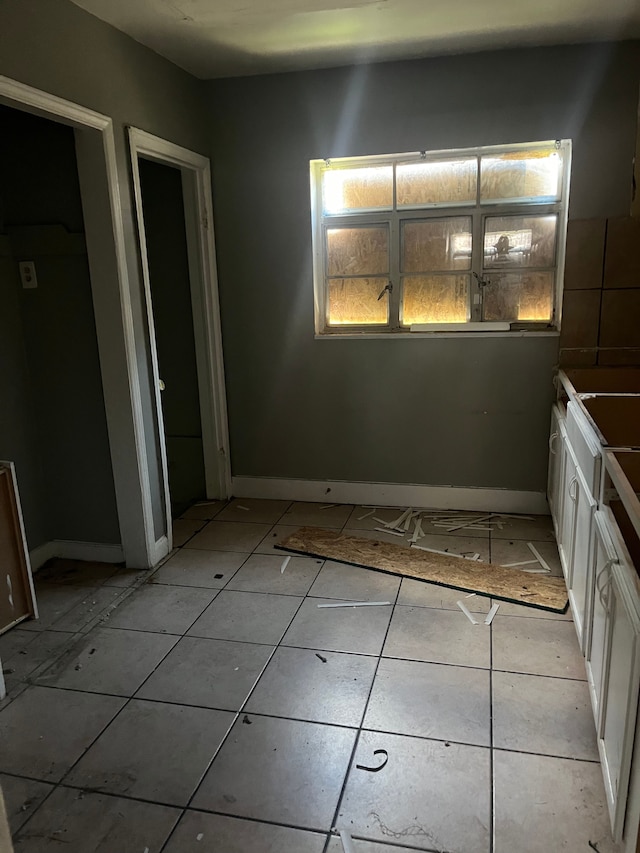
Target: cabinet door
(581, 567)
(556, 462)
(568, 519)
(619, 705)
(604, 556)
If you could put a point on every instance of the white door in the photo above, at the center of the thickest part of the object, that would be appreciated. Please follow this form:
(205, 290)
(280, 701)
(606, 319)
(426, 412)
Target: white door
(619, 705)
(556, 463)
(579, 580)
(196, 176)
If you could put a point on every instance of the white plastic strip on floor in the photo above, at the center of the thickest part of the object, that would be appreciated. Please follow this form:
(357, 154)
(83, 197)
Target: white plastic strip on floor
(399, 520)
(489, 617)
(356, 604)
(284, 565)
(366, 515)
(347, 841)
(538, 556)
(467, 613)
(521, 563)
(388, 530)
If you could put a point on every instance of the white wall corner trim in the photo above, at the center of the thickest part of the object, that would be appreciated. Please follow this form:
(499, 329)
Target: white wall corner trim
(100, 552)
(392, 494)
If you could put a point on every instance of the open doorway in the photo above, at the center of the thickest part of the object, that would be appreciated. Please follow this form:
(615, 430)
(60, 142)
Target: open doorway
(172, 188)
(168, 261)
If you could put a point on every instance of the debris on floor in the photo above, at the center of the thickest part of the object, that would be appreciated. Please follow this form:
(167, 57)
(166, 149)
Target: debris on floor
(377, 767)
(320, 657)
(544, 592)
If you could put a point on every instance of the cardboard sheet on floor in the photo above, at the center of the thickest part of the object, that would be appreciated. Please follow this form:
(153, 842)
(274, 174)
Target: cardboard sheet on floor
(543, 592)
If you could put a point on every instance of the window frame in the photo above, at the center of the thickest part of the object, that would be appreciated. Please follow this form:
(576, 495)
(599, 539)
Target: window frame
(392, 218)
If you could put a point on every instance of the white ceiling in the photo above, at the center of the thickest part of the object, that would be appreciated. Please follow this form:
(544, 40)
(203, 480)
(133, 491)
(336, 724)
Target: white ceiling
(222, 38)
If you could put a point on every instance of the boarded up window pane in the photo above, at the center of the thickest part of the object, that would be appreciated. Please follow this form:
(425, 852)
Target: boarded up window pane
(357, 251)
(354, 301)
(523, 241)
(436, 244)
(357, 189)
(435, 299)
(521, 175)
(526, 296)
(439, 182)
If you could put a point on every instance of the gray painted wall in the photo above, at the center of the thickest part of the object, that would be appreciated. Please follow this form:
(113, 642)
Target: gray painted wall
(463, 412)
(55, 427)
(75, 56)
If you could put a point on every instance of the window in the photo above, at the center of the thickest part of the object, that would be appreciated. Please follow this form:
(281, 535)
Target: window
(469, 240)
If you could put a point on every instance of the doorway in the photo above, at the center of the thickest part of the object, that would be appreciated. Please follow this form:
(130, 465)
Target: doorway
(172, 188)
(168, 261)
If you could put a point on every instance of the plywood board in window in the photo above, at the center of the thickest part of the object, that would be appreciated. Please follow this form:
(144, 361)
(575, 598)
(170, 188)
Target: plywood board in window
(543, 592)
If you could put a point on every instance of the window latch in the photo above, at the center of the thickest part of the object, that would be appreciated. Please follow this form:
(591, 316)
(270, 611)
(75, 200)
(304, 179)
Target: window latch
(387, 288)
(482, 282)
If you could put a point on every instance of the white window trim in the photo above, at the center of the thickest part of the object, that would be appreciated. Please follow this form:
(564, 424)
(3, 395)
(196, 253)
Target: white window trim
(471, 329)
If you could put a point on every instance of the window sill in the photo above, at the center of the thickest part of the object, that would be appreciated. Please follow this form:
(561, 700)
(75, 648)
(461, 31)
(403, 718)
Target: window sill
(462, 335)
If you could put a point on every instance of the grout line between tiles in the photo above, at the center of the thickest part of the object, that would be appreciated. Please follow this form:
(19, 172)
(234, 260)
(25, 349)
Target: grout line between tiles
(362, 719)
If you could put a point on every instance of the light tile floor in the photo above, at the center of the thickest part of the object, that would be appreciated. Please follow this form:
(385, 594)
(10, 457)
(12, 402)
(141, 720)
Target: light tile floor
(211, 706)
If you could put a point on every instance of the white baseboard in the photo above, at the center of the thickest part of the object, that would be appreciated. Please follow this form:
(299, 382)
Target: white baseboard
(97, 552)
(391, 494)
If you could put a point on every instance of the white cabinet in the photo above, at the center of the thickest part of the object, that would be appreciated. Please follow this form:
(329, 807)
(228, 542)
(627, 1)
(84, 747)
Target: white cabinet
(604, 556)
(580, 571)
(556, 465)
(569, 484)
(619, 702)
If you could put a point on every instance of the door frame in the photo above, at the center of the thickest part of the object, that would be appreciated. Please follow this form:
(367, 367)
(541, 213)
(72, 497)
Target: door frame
(102, 199)
(195, 170)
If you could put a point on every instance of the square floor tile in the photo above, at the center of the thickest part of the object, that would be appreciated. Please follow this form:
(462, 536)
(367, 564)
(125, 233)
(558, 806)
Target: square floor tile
(262, 573)
(184, 528)
(335, 846)
(549, 716)
(46, 647)
(109, 660)
(153, 751)
(438, 636)
(250, 617)
(279, 770)
(54, 600)
(506, 551)
(93, 605)
(230, 536)
(508, 609)
(428, 796)
(338, 629)
(254, 511)
(127, 577)
(304, 514)
(85, 822)
(267, 545)
(190, 567)
(537, 646)
(165, 609)
(14, 642)
(198, 832)
(463, 525)
(421, 594)
(21, 798)
(539, 529)
(297, 683)
(549, 804)
(44, 731)
(340, 580)
(204, 511)
(75, 572)
(367, 518)
(210, 673)
(431, 700)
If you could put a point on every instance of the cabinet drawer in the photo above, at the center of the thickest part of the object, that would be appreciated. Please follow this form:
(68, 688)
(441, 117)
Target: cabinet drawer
(585, 445)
